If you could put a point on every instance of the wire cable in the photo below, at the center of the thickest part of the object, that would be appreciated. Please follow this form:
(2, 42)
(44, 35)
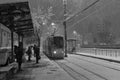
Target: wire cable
(77, 13)
(89, 15)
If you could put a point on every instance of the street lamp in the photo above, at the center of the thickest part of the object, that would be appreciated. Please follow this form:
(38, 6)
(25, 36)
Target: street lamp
(76, 36)
(54, 28)
(53, 24)
(74, 32)
(64, 23)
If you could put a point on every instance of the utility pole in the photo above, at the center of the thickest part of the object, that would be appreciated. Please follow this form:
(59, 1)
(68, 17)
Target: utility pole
(64, 23)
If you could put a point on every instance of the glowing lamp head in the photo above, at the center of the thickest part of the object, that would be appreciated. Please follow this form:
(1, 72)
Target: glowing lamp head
(54, 52)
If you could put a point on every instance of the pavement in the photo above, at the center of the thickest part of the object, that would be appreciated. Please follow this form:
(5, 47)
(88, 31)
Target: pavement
(45, 70)
(7, 71)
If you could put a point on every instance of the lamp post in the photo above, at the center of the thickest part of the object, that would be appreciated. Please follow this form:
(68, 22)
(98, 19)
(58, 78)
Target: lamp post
(64, 23)
(76, 36)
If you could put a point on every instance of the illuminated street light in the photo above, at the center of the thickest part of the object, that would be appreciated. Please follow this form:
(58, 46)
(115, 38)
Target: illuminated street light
(54, 28)
(74, 32)
(44, 23)
(52, 24)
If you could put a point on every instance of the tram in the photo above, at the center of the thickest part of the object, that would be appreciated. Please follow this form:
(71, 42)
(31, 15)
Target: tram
(53, 47)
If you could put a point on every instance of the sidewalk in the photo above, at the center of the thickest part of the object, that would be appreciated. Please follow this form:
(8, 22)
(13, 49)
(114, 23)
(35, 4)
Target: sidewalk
(7, 71)
(44, 70)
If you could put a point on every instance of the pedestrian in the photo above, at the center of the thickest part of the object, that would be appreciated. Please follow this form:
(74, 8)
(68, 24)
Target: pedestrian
(29, 53)
(19, 55)
(36, 52)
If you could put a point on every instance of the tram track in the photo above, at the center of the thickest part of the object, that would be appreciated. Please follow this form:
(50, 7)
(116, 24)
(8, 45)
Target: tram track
(98, 64)
(71, 71)
(72, 63)
(63, 65)
(88, 70)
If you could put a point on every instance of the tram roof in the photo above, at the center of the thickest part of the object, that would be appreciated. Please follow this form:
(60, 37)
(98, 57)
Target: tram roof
(16, 16)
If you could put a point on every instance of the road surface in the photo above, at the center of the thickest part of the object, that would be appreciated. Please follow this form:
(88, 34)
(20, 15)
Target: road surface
(87, 68)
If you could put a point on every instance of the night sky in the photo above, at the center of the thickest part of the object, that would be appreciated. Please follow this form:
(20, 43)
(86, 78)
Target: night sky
(86, 23)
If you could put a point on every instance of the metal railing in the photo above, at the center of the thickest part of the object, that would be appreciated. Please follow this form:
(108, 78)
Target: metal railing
(101, 53)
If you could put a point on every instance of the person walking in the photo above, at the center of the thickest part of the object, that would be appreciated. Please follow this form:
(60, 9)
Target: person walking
(19, 54)
(36, 52)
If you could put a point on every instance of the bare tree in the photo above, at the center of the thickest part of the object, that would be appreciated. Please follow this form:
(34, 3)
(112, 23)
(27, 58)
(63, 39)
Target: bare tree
(40, 18)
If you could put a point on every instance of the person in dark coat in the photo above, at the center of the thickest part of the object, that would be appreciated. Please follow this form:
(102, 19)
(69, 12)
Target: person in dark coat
(19, 54)
(36, 52)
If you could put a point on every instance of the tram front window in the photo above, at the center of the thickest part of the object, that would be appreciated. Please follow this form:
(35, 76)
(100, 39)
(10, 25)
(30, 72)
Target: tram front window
(58, 42)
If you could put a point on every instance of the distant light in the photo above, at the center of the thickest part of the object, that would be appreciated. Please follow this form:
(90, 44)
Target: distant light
(54, 52)
(52, 24)
(74, 32)
(44, 23)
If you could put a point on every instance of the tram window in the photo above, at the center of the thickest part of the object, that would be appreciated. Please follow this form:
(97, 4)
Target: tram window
(58, 42)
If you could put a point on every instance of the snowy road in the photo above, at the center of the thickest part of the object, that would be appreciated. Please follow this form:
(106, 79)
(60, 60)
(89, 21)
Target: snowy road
(86, 68)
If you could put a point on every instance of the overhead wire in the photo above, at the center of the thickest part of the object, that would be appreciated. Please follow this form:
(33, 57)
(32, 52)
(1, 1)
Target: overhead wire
(89, 15)
(77, 13)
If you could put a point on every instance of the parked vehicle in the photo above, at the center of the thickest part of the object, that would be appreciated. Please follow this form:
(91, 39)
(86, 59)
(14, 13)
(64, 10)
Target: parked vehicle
(5, 45)
(5, 56)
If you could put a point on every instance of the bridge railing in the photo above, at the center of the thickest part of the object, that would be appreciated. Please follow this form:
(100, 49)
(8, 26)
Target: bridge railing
(104, 53)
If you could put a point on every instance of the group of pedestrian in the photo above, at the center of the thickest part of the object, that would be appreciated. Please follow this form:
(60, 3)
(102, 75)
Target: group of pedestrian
(36, 52)
(19, 52)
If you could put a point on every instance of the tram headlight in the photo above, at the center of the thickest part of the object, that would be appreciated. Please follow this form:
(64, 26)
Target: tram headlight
(54, 52)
